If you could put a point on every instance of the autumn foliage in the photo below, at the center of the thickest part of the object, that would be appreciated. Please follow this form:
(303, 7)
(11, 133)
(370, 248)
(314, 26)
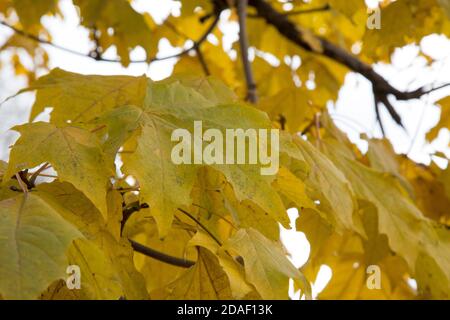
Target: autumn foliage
(140, 226)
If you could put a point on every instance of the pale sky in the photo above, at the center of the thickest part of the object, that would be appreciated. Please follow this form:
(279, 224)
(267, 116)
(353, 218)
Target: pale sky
(353, 112)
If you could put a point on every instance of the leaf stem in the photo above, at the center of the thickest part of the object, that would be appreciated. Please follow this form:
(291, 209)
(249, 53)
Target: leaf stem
(201, 226)
(22, 184)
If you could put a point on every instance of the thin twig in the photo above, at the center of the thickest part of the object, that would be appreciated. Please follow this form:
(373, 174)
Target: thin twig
(239, 259)
(419, 125)
(243, 42)
(98, 128)
(217, 215)
(99, 58)
(152, 253)
(437, 88)
(358, 126)
(427, 102)
(201, 226)
(162, 256)
(129, 210)
(378, 115)
(43, 41)
(45, 166)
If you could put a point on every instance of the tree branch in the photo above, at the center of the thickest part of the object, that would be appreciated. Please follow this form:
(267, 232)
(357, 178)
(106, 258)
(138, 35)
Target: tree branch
(437, 88)
(378, 116)
(149, 252)
(129, 210)
(291, 32)
(98, 57)
(243, 42)
(152, 253)
(380, 86)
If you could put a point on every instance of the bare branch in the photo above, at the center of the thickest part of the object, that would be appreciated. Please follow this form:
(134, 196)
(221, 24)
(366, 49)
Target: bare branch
(43, 41)
(378, 115)
(437, 88)
(243, 42)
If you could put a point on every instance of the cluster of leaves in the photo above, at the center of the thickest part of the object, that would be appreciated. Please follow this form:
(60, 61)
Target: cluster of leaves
(117, 24)
(355, 210)
(221, 221)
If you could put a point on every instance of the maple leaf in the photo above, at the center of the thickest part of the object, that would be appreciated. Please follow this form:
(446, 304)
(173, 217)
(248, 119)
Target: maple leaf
(30, 12)
(267, 268)
(73, 152)
(34, 239)
(205, 281)
(105, 260)
(116, 23)
(61, 90)
(409, 233)
(148, 126)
